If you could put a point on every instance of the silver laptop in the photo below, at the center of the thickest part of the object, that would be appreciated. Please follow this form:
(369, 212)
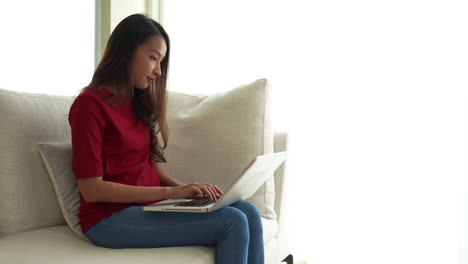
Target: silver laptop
(244, 187)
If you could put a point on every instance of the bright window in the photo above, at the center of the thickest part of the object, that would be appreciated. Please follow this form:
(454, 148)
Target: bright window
(47, 46)
(371, 95)
(219, 45)
(215, 45)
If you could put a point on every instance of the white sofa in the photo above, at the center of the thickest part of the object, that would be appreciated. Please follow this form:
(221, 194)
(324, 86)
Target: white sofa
(32, 223)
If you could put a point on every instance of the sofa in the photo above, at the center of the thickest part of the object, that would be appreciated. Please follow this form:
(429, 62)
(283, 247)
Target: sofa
(211, 139)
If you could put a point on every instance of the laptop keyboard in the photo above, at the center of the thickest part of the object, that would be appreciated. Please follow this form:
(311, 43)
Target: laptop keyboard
(196, 202)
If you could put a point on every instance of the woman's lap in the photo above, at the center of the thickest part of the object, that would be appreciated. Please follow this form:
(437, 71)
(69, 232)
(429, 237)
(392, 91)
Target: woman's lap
(135, 228)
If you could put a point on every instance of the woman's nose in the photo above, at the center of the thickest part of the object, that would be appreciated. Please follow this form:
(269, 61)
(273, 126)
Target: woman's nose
(157, 71)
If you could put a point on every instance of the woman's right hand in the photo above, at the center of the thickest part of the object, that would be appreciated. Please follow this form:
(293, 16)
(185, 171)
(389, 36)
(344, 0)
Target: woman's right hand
(195, 190)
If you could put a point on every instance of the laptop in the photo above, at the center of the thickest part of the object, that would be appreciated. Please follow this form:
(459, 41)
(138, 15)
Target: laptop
(258, 171)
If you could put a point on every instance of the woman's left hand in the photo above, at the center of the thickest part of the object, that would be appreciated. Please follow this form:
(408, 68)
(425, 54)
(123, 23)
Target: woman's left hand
(213, 192)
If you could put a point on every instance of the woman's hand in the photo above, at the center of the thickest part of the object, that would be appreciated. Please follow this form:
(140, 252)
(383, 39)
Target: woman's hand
(195, 190)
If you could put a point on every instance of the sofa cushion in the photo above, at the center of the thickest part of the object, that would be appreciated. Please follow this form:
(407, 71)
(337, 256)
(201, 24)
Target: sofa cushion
(59, 245)
(57, 157)
(27, 198)
(213, 138)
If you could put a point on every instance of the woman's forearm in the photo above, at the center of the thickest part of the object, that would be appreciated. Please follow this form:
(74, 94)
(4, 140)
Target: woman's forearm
(120, 193)
(97, 190)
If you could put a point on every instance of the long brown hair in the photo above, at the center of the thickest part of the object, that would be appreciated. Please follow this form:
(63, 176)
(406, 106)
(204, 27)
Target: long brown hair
(149, 104)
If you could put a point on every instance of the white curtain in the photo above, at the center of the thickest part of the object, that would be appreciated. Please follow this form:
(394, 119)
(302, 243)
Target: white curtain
(372, 94)
(46, 46)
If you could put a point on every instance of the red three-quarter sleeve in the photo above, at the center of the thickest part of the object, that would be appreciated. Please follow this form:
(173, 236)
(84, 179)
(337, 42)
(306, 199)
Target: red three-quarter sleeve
(87, 129)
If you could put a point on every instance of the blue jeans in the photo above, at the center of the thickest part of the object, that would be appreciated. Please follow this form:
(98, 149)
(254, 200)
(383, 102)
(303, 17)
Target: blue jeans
(236, 231)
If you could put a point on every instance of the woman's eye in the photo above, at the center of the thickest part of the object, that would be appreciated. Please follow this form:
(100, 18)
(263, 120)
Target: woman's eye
(153, 58)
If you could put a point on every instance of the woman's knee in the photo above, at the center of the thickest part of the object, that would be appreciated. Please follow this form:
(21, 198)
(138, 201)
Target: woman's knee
(236, 221)
(248, 208)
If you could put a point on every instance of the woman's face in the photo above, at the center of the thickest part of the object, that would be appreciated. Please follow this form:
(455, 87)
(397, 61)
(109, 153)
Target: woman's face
(146, 64)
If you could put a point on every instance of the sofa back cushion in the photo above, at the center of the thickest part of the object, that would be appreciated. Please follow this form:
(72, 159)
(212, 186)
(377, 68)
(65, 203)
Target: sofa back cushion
(27, 198)
(213, 138)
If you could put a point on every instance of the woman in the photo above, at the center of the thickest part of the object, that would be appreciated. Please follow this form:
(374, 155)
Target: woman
(116, 150)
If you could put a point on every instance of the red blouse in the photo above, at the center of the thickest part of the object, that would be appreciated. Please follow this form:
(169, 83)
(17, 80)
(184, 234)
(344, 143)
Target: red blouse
(109, 142)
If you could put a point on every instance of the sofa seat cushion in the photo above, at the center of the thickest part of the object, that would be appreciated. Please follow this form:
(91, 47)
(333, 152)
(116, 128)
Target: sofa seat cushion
(59, 244)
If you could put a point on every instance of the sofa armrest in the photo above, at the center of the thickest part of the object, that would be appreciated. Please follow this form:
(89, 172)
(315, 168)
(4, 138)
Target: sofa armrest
(281, 144)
